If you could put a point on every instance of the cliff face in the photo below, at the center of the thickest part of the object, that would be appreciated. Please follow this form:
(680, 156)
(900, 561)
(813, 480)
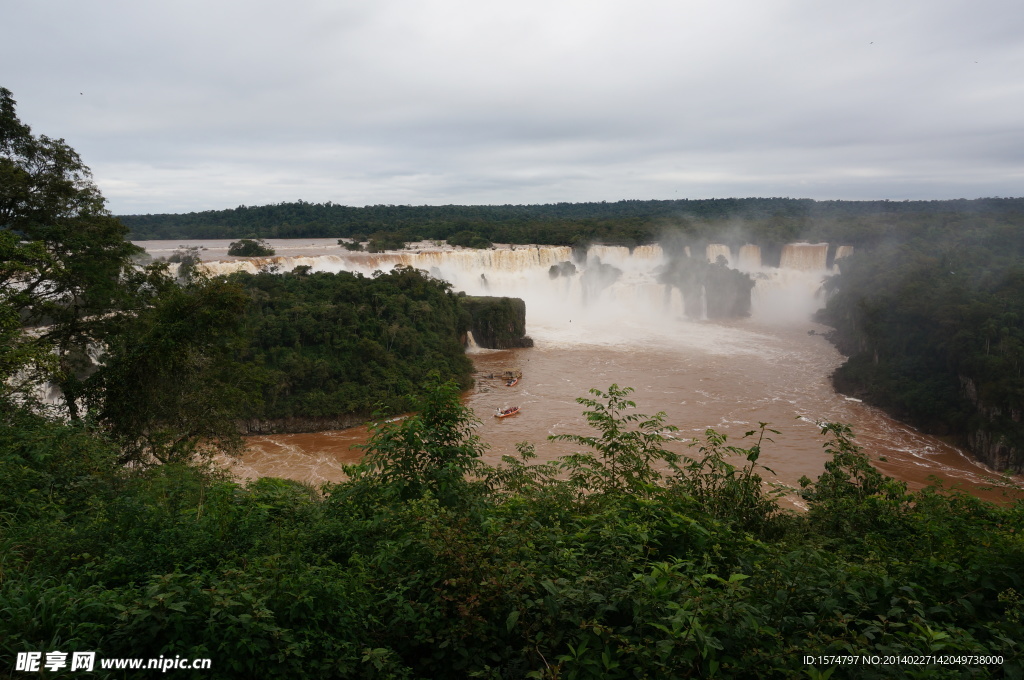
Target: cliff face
(497, 322)
(728, 292)
(991, 436)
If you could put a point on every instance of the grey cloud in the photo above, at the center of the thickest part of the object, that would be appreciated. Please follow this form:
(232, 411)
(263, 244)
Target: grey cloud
(194, 105)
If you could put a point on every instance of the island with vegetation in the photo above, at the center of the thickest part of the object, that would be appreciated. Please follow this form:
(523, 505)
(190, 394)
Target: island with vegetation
(331, 349)
(250, 247)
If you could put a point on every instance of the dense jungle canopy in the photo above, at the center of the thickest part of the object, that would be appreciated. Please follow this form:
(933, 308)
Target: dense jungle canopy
(766, 221)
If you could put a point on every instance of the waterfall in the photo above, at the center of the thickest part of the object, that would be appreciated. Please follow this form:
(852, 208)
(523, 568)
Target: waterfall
(613, 289)
(806, 257)
(715, 249)
(841, 252)
(750, 257)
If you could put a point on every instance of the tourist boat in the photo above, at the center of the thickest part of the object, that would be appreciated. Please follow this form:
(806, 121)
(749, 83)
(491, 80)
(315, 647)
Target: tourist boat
(505, 413)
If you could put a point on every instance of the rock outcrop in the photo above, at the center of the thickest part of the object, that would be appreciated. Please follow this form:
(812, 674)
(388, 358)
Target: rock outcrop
(497, 322)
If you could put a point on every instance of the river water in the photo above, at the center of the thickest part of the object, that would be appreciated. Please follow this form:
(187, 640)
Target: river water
(593, 332)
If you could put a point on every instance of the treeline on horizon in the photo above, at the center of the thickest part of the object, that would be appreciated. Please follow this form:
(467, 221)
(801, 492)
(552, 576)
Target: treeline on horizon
(766, 221)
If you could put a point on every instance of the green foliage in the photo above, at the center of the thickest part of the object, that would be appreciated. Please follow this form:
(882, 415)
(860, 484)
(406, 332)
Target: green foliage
(726, 492)
(169, 387)
(432, 451)
(344, 344)
(22, 356)
(248, 247)
(66, 264)
(623, 457)
(851, 496)
(934, 328)
(425, 563)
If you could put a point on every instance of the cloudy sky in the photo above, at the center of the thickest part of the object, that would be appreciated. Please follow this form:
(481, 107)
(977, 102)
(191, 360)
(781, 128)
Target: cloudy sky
(209, 104)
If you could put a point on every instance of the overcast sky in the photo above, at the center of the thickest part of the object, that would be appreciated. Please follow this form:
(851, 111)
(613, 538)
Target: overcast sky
(209, 104)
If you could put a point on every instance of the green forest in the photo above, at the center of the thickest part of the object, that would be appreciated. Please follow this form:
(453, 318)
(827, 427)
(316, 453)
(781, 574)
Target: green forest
(770, 222)
(347, 344)
(622, 560)
(934, 328)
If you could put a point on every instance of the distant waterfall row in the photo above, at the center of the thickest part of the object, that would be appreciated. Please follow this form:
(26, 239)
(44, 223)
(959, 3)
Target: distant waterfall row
(806, 257)
(512, 259)
(609, 285)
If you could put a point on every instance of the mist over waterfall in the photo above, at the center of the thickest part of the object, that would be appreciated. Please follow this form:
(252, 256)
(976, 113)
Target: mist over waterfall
(716, 250)
(843, 251)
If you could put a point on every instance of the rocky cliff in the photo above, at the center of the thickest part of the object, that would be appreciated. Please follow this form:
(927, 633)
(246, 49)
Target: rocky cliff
(994, 433)
(710, 290)
(497, 322)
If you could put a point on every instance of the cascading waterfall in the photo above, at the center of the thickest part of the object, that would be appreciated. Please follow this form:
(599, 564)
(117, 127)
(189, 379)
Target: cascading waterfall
(807, 257)
(631, 330)
(750, 258)
(841, 252)
(714, 250)
(612, 287)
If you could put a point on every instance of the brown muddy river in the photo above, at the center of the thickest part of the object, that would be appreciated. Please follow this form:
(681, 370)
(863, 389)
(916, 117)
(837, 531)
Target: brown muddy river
(720, 392)
(781, 378)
